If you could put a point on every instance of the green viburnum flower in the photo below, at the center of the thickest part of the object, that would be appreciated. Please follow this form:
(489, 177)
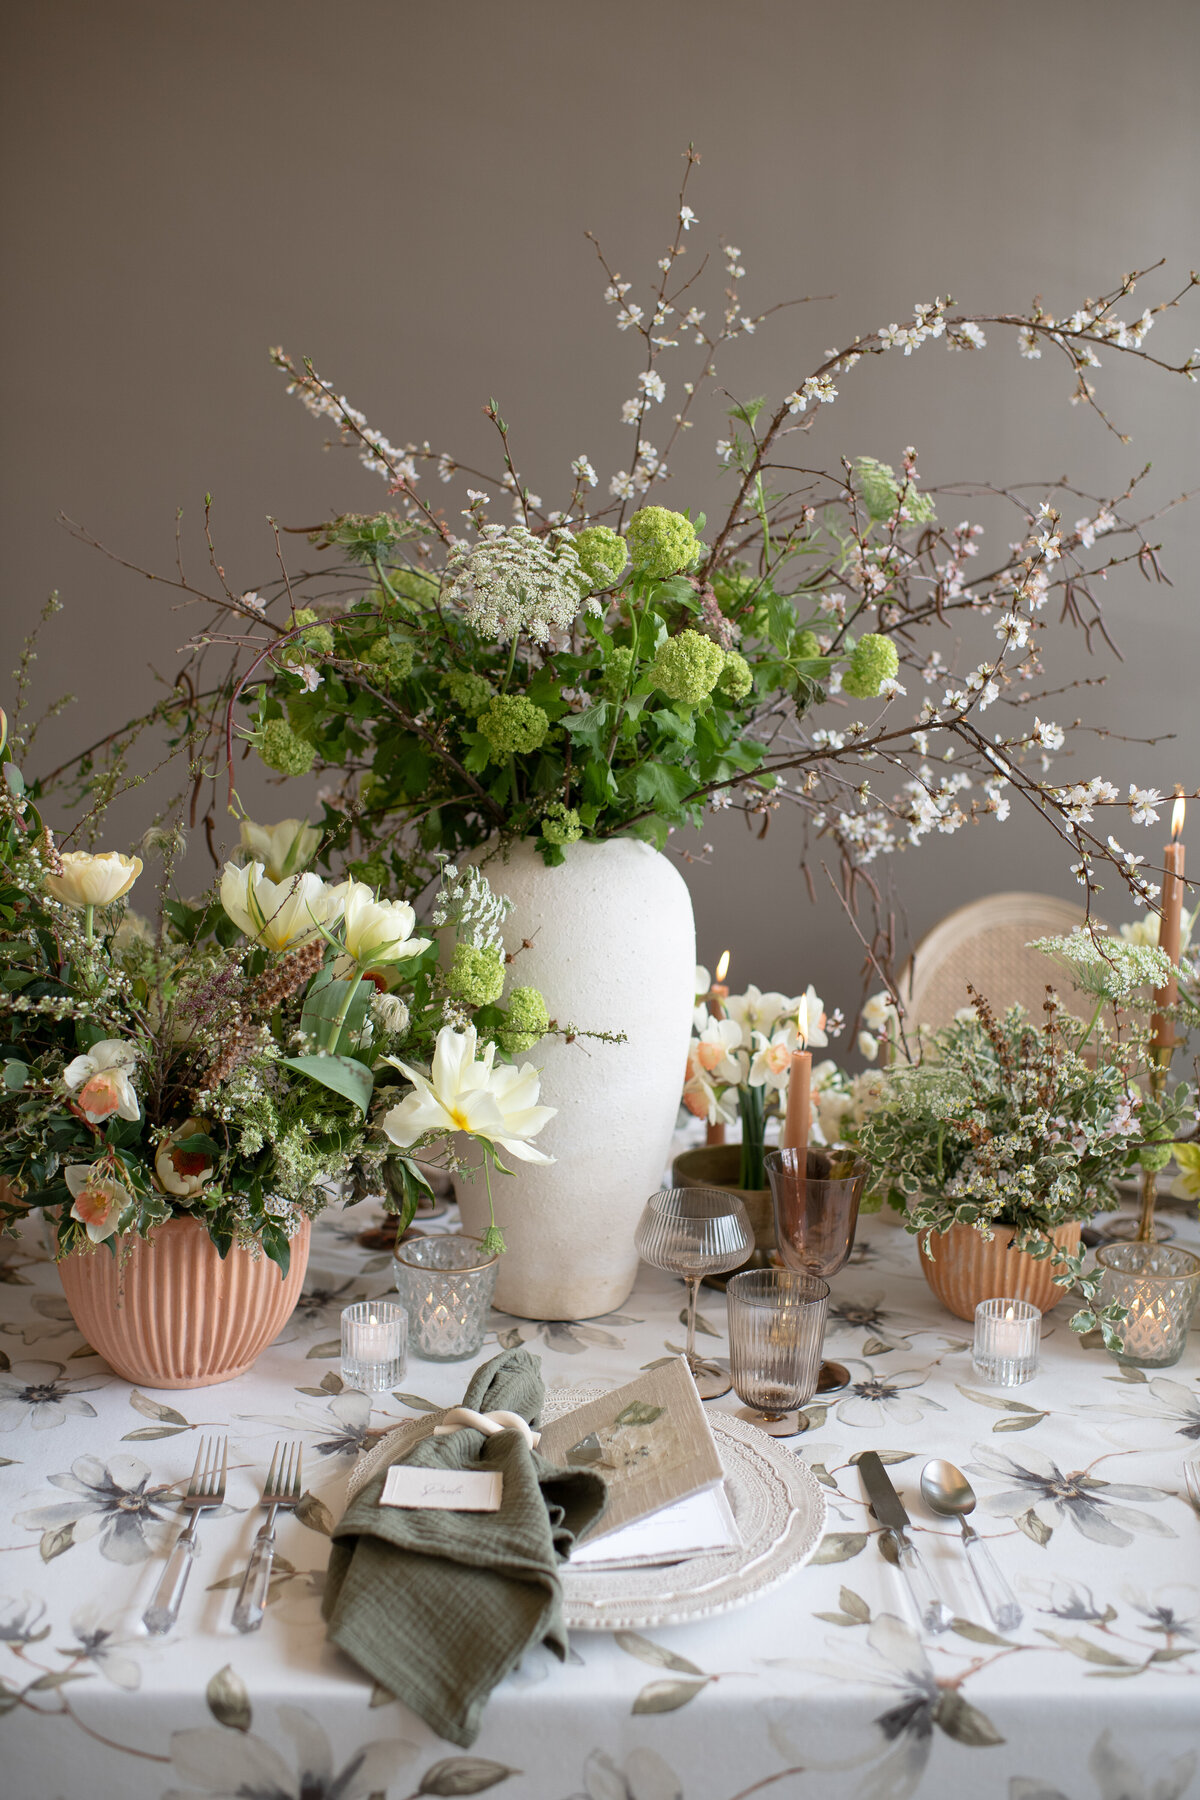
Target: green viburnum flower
(602, 554)
(476, 974)
(615, 679)
(687, 667)
(513, 725)
(394, 660)
(735, 678)
(527, 1022)
(1155, 1157)
(560, 824)
(879, 491)
(874, 661)
(414, 584)
(469, 692)
(661, 542)
(318, 640)
(282, 749)
(806, 646)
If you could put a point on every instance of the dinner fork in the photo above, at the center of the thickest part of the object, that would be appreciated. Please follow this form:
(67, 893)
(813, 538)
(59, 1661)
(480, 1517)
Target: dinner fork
(281, 1489)
(1191, 1474)
(205, 1489)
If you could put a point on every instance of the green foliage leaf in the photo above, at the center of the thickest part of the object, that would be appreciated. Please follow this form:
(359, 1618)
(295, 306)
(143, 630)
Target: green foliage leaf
(341, 1074)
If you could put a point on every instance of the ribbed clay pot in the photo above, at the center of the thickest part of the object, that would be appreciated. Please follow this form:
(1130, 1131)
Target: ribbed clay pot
(965, 1268)
(171, 1313)
(719, 1165)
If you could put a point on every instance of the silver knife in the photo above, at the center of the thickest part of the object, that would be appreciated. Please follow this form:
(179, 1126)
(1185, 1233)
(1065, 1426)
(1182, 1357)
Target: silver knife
(931, 1609)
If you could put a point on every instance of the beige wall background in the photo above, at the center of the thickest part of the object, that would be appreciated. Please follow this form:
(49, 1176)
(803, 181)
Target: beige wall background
(400, 192)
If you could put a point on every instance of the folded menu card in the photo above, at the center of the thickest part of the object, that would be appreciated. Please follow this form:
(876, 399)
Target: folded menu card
(652, 1443)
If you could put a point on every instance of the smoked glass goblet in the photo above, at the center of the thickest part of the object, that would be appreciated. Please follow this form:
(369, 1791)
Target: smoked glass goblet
(695, 1232)
(776, 1323)
(816, 1195)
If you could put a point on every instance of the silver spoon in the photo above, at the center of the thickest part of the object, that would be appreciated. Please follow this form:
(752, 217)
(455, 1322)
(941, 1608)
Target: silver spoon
(947, 1491)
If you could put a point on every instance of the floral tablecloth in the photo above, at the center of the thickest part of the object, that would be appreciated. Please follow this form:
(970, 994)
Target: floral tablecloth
(819, 1688)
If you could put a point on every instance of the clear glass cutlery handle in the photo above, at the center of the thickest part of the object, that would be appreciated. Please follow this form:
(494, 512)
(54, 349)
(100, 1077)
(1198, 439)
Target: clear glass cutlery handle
(252, 1600)
(994, 1590)
(932, 1610)
(163, 1610)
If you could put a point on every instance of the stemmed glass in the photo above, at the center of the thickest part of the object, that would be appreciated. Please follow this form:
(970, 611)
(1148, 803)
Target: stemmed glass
(776, 1323)
(816, 1197)
(695, 1232)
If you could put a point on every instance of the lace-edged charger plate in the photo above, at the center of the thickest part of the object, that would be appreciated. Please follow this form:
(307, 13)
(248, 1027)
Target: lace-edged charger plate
(777, 1502)
(780, 1510)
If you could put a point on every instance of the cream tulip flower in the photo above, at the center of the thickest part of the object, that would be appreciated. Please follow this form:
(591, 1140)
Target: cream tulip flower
(282, 849)
(375, 932)
(100, 1081)
(282, 915)
(87, 880)
(465, 1092)
(100, 1200)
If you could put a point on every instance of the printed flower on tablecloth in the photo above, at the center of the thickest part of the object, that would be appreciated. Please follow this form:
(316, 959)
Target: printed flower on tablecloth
(35, 1393)
(230, 1765)
(1091, 1505)
(880, 1397)
(345, 1421)
(321, 1297)
(113, 1503)
(21, 1620)
(1119, 1775)
(99, 1645)
(899, 1740)
(54, 1320)
(1071, 1600)
(645, 1776)
(1168, 1611)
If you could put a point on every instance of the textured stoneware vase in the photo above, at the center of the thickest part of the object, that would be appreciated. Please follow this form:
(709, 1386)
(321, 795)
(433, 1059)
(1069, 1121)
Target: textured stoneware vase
(613, 949)
(172, 1314)
(965, 1269)
(719, 1165)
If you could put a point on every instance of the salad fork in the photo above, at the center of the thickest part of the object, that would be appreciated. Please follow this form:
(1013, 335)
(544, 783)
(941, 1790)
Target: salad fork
(205, 1489)
(281, 1489)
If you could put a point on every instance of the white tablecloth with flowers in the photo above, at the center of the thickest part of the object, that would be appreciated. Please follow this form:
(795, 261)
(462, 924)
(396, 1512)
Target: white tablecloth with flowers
(817, 1689)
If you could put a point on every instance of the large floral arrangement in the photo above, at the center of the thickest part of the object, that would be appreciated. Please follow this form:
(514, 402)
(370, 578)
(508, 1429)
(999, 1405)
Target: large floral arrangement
(257, 1050)
(603, 664)
(1004, 1122)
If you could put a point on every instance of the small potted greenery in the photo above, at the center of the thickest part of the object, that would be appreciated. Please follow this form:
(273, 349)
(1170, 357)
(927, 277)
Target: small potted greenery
(1002, 1139)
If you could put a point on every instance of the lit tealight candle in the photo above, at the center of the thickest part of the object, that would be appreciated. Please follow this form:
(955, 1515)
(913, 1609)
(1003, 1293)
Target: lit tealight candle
(1007, 1336)
(374, 1342)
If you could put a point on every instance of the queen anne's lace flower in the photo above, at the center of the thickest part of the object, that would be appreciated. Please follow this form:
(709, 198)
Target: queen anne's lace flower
(513, 582)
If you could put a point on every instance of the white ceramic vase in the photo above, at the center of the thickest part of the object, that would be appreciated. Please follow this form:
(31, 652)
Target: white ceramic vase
(613, 949)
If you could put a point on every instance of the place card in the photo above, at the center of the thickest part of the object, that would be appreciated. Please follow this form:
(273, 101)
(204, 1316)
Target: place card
(450, 1490)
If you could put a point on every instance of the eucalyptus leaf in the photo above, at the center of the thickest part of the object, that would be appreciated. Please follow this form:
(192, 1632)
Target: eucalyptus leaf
(840, 1546)
(657, 1655)
(154, 1409)
(464, 1775)
(1020, 1424)
(668, 1696)
(977, 1634)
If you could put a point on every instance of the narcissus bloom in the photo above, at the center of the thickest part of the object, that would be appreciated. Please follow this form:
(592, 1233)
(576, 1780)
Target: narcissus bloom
(100, 1080)
(93, 880)
(100, 1199)
(465, 1092)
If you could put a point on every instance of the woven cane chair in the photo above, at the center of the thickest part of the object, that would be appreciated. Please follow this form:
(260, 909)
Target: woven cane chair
(985, 944)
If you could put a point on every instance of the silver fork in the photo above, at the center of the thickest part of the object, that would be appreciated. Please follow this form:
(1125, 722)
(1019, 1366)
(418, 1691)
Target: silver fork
(1191, 1474)
(281, 1489)
(205, 1489)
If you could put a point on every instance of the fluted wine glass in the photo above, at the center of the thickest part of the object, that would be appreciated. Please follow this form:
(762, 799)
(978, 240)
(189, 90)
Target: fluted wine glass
(695, 1232)
(816, 1195)
(776, 1324)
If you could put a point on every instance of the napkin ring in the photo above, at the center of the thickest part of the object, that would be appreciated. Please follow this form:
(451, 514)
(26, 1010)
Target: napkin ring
(491, 1424)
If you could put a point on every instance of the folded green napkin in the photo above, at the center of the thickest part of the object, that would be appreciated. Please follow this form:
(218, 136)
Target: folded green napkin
(439, 1606)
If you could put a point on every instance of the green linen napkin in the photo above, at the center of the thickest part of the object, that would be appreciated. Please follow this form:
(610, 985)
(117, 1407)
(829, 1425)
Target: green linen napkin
(439, 1606)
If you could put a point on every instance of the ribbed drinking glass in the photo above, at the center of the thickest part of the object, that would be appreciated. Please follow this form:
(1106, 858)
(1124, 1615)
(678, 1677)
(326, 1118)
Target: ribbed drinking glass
(694, 1232)
(816, 1195)
(776, 1326)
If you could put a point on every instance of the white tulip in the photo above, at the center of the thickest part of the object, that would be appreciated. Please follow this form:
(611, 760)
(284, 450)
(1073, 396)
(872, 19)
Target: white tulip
(282, 915)
(101, 1080)
(464, 1092)
(88, 880)
(375, 932)
(282, 849)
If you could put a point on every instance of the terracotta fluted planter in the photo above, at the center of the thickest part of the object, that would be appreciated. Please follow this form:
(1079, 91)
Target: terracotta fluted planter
(965, 1268)
(170, 1313)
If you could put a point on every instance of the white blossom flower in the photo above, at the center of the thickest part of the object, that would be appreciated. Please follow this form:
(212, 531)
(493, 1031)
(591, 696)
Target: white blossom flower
(687, 217)
(583, 471)
(1143, 804)
(652, 385)
(621, 486)
(254, 602)
(464, 1092)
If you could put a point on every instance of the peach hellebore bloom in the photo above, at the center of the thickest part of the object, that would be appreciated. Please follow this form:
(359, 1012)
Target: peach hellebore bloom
(88, 880)
(100, 1081)
(100, 1200)
(183, 1172)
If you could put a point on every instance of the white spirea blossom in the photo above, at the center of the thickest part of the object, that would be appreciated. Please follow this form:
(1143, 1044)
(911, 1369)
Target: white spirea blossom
(512, 581)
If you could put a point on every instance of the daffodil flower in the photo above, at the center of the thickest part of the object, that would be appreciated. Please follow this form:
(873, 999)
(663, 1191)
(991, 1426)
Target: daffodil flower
(1186, 1185)
(100, 1199)
(100, 1081)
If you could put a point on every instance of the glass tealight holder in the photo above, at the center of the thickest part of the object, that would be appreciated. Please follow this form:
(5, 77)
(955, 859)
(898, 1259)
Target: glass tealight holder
(374, 1345)
(446, 1284)
(1158, 1285)
(1008, 1335)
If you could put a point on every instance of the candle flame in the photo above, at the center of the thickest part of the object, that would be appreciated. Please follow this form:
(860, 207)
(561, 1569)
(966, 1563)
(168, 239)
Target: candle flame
(802, 1021)
(723, 966)
(1177, 813)
(1010, 1314)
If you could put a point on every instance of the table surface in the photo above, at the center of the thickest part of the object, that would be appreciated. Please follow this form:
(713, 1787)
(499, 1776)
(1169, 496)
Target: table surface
(819, 1688)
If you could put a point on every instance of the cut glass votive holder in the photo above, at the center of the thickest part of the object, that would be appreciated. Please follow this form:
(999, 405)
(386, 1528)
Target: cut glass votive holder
(446, 1284)
(1008, 1335)
(374, 1345)
(1158, 1285)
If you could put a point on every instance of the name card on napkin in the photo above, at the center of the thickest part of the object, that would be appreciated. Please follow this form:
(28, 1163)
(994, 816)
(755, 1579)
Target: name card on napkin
(451, 1490)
